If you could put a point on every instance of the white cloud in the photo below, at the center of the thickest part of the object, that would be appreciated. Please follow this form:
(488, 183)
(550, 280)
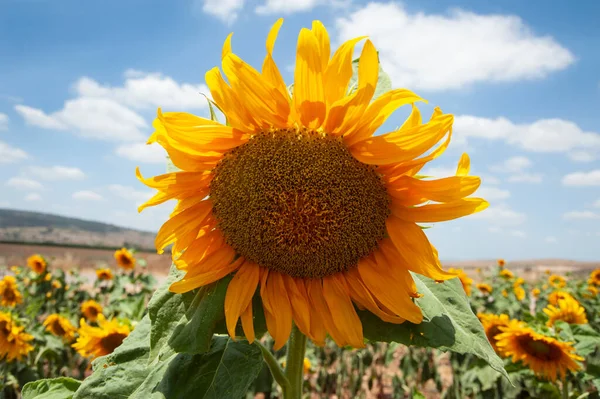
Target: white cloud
(288, 7)
(22, 183)
(437, 51)
(518, 233)
(226, 10)
(492, 193)
(591, 178)
(130, 193)
(577, 215)
(512, 165)
(87, 195)
(142, 152)
(582, 156)
(3, 121)
(57, 172)
(526, 178)
(33, 197)
(501, 215)
(37, 117)
(10, 154)
(143, 90)
(551, 239)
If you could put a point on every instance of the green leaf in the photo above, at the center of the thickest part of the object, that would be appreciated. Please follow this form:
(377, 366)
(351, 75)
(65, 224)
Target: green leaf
(448, 323)
(55, 388)
(586, 339)
(384, 83)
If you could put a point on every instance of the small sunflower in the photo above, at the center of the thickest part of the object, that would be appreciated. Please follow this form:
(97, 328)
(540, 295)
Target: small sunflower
(505, 293)
(507, 274)
(501, 263)
(14, 343)
(519, 292)
(60, 326)
(91, 310)
(536, 292)
(557, 281)
(57, 285)
(491, 325)
(593, 290)
(465, 280)
(102, 340)
(568, 310)
(544, 355)
(9, 292)
(125, 259)
(485, 288)
(296, 194)
(306, 365)
(104, 274)
(594, 277)
(15, 269)
(37, 263)
(47, 277)
(556, 295)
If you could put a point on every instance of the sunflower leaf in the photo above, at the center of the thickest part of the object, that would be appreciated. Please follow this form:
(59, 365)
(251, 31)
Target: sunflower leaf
(448, 324)
(586, 339)
(52, 388)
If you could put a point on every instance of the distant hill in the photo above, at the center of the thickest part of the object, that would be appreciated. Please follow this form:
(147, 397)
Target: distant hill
(43, 228)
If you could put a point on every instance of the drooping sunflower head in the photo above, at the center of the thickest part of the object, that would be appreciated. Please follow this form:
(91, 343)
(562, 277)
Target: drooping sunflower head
(594, 278)
(491, 325)
(9, 292)
(296, 194)
(556, 295)
(37, 263)
(104, 274)
(506, 274)
(485, 288)
(125, 259)
(465, 280)
(60, 326)
(102, 340)
(545, 356)
(14, 343)
(91, 310)
(557, 281)
(568, 310)
(501, 263)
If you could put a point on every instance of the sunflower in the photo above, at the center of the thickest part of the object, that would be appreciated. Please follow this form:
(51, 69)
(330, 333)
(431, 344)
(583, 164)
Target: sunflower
(568, 310)
(60, 326)
(91, 310)
(57, 285)
(485, 288)
(594, 277)
(593, 290)
(536, 292)
(101, 340)
(306, 365)
(465, 280)
(14, 343)
(36, 263)
(47, 277)
(544, 355)
(505, 293)
(125, 259)
(507, 274)
(557, 281)
(556, 295)
(9, 292)
(519, 292)
(104, 274)
(501, 263)
(491, 325)
(298, 196)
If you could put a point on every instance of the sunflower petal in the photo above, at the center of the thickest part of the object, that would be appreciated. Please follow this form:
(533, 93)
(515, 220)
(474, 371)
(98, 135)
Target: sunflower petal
(299, 300)
(187, 284)
(344, 317)
(188, 220)
(409, 191)
(339, 72)
(277, 304)
(239, 294)
(248, 323)
(439, 212)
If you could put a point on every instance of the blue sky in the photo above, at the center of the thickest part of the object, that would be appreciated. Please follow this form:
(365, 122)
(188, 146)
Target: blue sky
(80, 83)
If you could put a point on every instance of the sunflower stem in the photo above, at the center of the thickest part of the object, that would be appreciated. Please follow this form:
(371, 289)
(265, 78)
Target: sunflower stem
(276, 370)
(294, 363)
(565, 387)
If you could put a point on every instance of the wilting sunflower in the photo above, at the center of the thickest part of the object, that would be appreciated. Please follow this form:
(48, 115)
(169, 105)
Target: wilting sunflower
(9, 292)
(557, 281)
(507, 274)
(491, 325)
(501, 263)
(104, 274)
(568, 310)
(485, 288)
(101, 340)
(60, 326)
(536, 292)
(465, 280)
(36, 263)
(544, 355)
(91, 310)
(14, 343)
(297, 195)
(125, 259)
(556, 295)
(594, 277)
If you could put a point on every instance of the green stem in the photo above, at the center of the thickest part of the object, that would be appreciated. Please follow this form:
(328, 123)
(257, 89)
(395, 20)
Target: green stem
(565, 388)
(294, 363)
(275, 369)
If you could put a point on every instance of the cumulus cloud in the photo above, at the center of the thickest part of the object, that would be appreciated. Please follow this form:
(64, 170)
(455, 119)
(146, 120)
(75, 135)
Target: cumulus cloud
(579, 215)
(582, 156)
(501, 215)
(225, 10)
(23, 183)
(57, 172)
(33, 197)
(526, 178)
(86, 195)
(591, 178)
(282, 7)
(449, 51)
(492, 193)
(9, 154)
(512, 165)
(142, 152)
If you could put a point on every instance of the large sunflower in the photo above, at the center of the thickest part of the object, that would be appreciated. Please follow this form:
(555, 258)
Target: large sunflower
(544, 355)
(14, 343)
(555, 296)
(102, 340)
(9, 292)
(568, 310)
(296, 194)
(60, 326)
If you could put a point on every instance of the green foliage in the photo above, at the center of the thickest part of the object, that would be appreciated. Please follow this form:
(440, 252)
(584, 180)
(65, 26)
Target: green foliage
(55, 388)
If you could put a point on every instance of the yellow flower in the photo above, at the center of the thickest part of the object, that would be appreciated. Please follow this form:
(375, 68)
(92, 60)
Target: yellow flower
(102, 340)
(48, 295)
(568, 310)
(15, 269)
(556, 295)
(594, 277)
(478, 270)
(125, 259)
(36, 263)
(557, 281)
(307, 365)
(507, 274)
(14, 343)
(60, 326)
(536, 292)
(548, 272)
(9, 292)
(104, 274)
(91, 310)
(485, 288)
(501, 263)
(545, 286)
(491, 325)
(56, 284)
(48, 277)
(544, 355)
(505, 293)
(465, 280)
(519, 292)
(296, 193)
(592, 290)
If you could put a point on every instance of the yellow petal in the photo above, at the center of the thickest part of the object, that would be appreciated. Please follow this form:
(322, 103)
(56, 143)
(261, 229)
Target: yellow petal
(344, 315)
(226, 46)
(187, 284)
(439, 212)
(277, 304)
(409, 191)
(464, 165)
(248, 323)
(323, 39)
(239, 294)
(269, 70)
(339, 72)
(299, 300)
(188, 220)
(314, 287)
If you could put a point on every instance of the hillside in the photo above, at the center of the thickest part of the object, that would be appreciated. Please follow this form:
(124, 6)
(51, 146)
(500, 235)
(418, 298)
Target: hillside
(36, 227)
